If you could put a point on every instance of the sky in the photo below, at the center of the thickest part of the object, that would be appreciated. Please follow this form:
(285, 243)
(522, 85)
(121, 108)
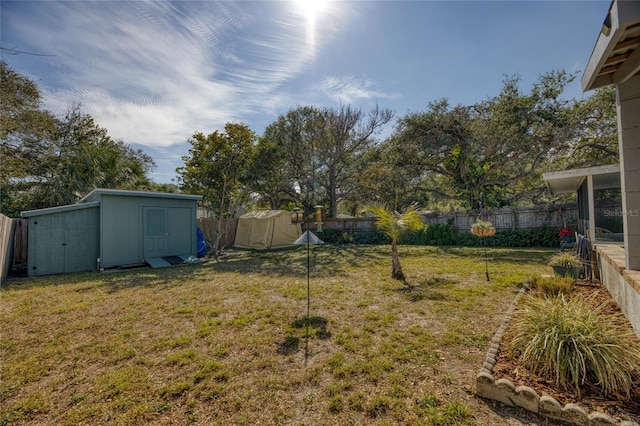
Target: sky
(153, 72)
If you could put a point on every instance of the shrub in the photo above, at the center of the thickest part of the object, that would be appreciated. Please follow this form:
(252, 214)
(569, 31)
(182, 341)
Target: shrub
(565, 259)
(436, 234)
(446, 234)
(553, 286)
(573, 344)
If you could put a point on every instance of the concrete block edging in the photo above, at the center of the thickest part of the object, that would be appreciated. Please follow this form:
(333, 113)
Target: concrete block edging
(506, 392)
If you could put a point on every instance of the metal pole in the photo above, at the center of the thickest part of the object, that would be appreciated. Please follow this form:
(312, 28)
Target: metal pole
(306, 337)
(486, 260)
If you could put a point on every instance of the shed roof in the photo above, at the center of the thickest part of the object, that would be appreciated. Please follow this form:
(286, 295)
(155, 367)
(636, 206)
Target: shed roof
(567, 181)
(616, 54)
(96, 194)
(60, 209)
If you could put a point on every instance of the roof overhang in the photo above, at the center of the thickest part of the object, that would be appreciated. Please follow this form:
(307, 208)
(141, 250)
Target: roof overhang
(96, 194)
(568, 181)
(59, 209)
(616, 55)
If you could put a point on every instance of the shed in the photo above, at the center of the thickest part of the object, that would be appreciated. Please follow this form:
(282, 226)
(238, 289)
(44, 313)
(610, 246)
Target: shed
(265, 229)
(63, 239)
(110, 228)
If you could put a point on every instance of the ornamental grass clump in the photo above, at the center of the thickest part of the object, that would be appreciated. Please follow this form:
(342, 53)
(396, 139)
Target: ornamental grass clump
(570, 342)
(553, 286)
(565, 259)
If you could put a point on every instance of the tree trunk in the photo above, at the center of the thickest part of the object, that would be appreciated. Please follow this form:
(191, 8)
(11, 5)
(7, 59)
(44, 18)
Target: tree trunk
(275, 202)
(333, 193)
(396, 269)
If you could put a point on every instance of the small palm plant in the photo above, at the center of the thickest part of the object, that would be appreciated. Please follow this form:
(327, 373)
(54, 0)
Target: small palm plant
(394, 224)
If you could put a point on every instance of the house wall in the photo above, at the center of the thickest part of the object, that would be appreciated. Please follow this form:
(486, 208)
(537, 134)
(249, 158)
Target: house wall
(123, 228)
(629, 140)
(63, 241)
(622, 284)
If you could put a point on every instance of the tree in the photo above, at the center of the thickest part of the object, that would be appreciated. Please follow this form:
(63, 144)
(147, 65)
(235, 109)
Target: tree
(47, 161)
(497, 147)
(346, 137)
(596, 141)
(313, 155)
(82, 157)
(394, 224)
(25, 132)
(283, 167)
(382, 178)
(216, 168)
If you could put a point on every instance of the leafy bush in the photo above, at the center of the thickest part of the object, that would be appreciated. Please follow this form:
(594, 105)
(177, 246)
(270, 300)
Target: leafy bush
(573, 344)
(553, 286)
(437, 234)
(446, 234)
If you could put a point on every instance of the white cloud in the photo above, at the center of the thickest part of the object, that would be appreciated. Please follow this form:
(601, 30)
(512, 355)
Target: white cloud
(349, 89)
(152, 72)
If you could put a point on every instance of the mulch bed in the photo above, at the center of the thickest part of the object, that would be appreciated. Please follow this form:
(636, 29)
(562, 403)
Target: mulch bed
(616, 406)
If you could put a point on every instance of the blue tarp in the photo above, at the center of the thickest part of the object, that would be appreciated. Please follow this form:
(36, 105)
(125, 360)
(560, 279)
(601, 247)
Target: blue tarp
(202, 245)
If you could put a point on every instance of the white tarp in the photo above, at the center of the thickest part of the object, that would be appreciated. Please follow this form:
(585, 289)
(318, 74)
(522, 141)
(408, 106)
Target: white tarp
(265, 229)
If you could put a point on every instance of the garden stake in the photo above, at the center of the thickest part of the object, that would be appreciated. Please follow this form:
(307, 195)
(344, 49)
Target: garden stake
(486, 260)
(306, 336)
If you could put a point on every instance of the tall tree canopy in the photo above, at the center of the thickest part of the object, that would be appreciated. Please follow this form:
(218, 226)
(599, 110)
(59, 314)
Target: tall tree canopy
(348, 135)
(500, 147)
(49, 161)
(314, 155)
(283, 168)
(216, 168)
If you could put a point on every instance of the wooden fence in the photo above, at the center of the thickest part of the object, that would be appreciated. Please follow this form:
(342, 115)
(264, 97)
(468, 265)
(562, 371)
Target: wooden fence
(519, 218)
(13, 245)
(6, 245)
(229, 226)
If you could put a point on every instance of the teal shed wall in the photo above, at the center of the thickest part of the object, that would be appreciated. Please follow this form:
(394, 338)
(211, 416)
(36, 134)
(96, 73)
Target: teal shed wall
(117, 227)
(63, 240)
(137, 227)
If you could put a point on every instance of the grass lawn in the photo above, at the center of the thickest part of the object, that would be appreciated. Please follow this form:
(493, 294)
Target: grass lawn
(224, 342)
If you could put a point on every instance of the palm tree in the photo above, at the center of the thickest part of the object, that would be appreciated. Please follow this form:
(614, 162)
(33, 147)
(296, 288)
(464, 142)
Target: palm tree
(394, 224)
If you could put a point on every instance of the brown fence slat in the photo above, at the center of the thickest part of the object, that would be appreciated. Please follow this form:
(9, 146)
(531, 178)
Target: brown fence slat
(208, 227)
(7, 226)
(519, 218)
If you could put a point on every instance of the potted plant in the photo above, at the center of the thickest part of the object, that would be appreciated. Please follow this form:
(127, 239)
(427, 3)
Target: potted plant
(565, 263)
(483, 229)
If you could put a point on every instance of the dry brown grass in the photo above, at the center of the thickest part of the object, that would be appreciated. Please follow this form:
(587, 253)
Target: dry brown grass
(224, 342)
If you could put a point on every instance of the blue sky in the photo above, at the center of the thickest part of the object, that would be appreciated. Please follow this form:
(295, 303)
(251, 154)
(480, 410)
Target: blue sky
(154, 72)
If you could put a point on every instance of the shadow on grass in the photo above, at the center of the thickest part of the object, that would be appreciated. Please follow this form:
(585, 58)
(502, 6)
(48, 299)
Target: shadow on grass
(519, 256)
(324, 260)
(317, 329)
(290, 346)
(426, 288)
